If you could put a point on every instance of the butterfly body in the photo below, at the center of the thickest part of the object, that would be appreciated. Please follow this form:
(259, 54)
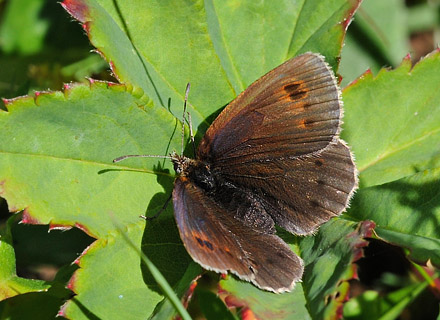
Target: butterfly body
(243, 204)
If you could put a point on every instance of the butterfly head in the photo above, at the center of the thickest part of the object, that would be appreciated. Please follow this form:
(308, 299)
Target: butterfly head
(181, 163)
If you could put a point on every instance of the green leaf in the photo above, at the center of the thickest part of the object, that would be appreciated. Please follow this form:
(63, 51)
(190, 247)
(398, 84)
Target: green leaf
(165, 309)
(102, 285)
(66, 155)
(328, 259)
(406, 213)
(370, 305)
(265, 305)
(47, 301)
(56, 156)
(58, 167)
(220, 48)
(24, 306)
(158, 277)
(10, 284)
(376, 38)
(22, 28)
(393, 125)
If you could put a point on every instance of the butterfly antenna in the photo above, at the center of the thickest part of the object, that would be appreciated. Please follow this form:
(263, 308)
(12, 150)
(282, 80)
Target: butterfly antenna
(139, 156)
(191, 133)
(188, 86)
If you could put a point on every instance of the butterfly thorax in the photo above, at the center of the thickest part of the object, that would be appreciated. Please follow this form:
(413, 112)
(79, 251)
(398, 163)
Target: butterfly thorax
(197, 171)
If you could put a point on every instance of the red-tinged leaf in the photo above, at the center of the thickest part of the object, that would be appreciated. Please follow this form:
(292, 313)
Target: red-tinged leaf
(221, 49)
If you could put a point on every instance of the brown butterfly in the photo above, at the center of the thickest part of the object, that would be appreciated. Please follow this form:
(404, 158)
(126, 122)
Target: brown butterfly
(272, 157)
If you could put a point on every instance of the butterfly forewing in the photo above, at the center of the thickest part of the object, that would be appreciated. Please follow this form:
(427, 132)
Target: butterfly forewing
(294, 109)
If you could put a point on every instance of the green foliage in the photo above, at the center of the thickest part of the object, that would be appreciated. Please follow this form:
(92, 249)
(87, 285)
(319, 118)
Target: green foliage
(397, 149)
(10, 283)
(57, 148)
(25, 35)
(377, 37)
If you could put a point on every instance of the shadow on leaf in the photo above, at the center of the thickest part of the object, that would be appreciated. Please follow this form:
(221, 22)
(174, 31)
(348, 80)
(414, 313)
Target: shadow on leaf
(161, 241)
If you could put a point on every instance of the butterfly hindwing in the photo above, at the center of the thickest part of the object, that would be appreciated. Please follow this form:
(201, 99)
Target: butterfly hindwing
(300, 193)
(219, 242)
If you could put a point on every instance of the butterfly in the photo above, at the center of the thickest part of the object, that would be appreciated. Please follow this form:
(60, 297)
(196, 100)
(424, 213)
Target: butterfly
(272, 157)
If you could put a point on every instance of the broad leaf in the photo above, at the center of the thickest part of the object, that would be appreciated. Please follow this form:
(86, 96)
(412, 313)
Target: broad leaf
(70, 145)
(56, 158)
(220, 48)
(393, 125)
(406, 212)
(376, 38)
(392, 121)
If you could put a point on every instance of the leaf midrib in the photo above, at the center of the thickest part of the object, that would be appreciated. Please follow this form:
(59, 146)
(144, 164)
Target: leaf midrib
(95, 163)
(396, 150)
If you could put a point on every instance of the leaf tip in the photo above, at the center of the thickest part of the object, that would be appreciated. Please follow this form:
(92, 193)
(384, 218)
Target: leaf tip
(364, 230)
(38, 95)
(367, 74)
(6, 102)
(113, 69)
(67, 86)
(232, 301)
(435, 54)
(84, 229)
(56, 226)
(27, 218)
(406, 63)
(77, 9)
(86, 28)
(62, 311)
(350, 13)
(77, 261)
(71, 284)
(248, 314)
